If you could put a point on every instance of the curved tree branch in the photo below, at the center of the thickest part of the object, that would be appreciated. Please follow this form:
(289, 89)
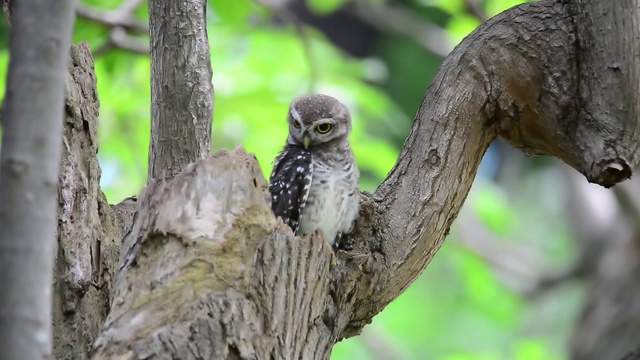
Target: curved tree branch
(518, 76)
(608, 41)
(508, 82)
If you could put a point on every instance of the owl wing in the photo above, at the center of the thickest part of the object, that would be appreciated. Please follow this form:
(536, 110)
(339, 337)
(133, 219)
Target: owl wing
(289, 184)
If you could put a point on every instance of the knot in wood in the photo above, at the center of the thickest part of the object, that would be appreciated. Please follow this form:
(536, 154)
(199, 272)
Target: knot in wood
(611, 172)
(433, 157)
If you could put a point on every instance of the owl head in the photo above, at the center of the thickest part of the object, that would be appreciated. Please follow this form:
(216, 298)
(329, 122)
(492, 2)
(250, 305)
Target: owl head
(318, 120)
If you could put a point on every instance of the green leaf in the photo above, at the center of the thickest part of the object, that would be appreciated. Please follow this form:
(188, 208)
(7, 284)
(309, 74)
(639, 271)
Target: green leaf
(532, 350)
(325, 7)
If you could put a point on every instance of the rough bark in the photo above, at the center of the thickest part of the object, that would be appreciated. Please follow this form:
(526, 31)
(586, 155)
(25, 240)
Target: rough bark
(181, 89)
(608, 68)
(32, 112)
(230, 282)
(89, 230)
(88, 233)
(207, 272)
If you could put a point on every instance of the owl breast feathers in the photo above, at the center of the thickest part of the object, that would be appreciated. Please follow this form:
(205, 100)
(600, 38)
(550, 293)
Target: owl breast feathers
(314, 183)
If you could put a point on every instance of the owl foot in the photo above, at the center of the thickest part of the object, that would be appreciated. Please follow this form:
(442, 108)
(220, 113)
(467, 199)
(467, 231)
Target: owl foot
(319, 234)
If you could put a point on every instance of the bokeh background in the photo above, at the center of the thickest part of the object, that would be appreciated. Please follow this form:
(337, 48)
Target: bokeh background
(520, 265)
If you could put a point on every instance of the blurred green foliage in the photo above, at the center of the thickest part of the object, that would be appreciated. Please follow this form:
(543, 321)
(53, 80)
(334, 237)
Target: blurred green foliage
(461, 307)
(325, 6)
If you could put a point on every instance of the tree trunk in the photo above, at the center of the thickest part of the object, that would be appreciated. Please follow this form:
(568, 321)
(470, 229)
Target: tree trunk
(181, 90)
(31, 120)
(89, 230)
(207, 271)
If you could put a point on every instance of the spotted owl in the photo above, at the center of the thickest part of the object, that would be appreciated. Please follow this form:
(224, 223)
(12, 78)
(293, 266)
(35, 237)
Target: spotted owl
(314, 183)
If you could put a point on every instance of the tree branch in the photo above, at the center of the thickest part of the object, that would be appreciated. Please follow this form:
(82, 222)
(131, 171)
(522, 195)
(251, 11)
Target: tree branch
(121, 21)
(121, 17)
(120, 39)
(509, 80)
(401, 21)
(181, 89)
(609, 69)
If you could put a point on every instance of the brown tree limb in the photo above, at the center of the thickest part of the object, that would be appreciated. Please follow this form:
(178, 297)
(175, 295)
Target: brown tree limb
(504, 85)
(181, 89)
(608, 71)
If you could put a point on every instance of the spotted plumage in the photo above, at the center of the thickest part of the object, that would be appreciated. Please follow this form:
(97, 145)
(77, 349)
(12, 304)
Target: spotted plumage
(314, 183)
(289, 184)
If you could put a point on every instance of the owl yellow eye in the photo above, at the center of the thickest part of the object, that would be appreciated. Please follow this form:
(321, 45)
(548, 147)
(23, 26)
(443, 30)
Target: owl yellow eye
(323, 128)
(296, 124)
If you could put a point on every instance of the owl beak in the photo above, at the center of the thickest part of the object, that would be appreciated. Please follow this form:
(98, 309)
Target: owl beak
(306, 141)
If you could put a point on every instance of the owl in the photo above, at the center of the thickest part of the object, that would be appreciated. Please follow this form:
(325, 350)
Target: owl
(314, 183)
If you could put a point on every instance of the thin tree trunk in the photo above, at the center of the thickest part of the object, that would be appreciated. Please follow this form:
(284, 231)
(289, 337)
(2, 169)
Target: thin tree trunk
(181, 89)
(32, 123)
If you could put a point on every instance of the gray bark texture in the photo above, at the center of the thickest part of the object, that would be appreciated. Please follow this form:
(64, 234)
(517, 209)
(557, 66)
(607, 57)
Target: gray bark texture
(89, 230)
(207, 272)
(181, 89)
(32, 112)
